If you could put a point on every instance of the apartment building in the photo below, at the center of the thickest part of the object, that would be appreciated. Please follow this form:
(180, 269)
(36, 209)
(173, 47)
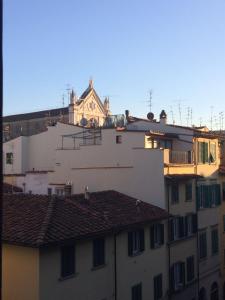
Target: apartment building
(173, 167)
(103, 245)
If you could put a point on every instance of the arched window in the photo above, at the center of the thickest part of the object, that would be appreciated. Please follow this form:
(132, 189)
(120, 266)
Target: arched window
(214, 293)
(202, 294)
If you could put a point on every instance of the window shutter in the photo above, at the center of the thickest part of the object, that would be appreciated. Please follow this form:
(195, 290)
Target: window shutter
(190, 268)
(152, 237)
(198, 197)
(217, 194)
(142, 239)
(181, 227)
(207, 195)
(172, 283)
(182, 273)
(130, 239)
(161, 226)
(171, 231)
(185, 225)
(194, 223)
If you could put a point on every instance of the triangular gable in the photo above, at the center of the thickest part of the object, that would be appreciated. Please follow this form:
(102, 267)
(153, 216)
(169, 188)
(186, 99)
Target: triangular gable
(92, 94)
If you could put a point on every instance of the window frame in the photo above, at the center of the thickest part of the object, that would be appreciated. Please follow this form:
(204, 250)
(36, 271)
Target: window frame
(136, 291)
(203, 250)
(136, 242)
(9, 158)
(65, 261)
(98, 252)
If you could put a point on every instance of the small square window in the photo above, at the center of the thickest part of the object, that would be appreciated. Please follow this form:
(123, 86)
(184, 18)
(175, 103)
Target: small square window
(9, 158)
(119, 139)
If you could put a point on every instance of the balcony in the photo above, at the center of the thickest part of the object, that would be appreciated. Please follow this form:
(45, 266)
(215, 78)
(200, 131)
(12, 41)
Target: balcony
(178, 157)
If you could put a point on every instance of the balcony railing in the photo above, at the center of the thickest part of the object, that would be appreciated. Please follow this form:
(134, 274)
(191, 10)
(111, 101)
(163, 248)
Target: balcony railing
(180, 157)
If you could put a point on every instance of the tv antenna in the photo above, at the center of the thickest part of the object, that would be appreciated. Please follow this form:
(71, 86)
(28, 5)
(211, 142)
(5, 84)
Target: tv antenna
(68, 89)
(150, 99)
(172, 114)
(221, 118)
(211, 118)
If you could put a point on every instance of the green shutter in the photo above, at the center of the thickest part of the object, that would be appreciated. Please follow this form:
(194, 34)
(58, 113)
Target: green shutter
(198, 197)
(218, 194)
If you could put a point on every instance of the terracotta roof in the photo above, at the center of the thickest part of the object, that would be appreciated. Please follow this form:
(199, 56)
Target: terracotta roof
(37, 114)
(38, 220)
(9, 188)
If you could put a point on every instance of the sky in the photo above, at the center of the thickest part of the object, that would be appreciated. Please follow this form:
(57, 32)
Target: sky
(174, 48)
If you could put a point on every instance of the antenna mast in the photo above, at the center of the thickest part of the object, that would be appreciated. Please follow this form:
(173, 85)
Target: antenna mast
(150, 100)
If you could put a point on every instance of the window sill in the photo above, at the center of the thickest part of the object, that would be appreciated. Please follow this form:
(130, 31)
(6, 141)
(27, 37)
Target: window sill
(98, 267)
(136, 254)
(182, 239)
(157, 246)
(68, 277)
(203, 259)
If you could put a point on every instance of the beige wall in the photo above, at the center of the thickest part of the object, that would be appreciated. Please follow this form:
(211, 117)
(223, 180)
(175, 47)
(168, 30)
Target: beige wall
(20, 273)
(89, 284)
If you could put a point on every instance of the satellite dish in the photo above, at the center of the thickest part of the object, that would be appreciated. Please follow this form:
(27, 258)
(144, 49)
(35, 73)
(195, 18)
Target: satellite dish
(150, 116)
(83, 122)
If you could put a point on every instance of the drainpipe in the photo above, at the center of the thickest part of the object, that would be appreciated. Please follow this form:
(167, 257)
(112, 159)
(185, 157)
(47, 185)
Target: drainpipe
(169, 255)
(197, 244)
(115, 267)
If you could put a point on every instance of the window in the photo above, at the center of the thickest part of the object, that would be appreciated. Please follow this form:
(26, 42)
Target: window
(177, 276)
(98, 252)
(9, 158)
(223, 190)
(67, 260)
(208, 196)
(181, 227)
(203, 153)
(190, 268)
(119, 139)
(190, 224)
(214, 293)
(174, 193)
(188, 192)
(215, 241)
(202, 245)
(176, 228)
(135, 242)
(202, 294)
(157, 235)
(212, 152)
(136, 292)
(158, 291)
(59, 191)
(49, 191)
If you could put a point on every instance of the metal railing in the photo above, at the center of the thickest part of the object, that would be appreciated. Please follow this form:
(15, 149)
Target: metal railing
(180, 157)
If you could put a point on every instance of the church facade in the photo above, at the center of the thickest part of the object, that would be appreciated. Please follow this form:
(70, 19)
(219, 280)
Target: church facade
(88, 111)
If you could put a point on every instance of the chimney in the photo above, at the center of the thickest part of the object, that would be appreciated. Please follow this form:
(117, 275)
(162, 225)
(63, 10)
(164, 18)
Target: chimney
(86, 193)
(127, 114)
(163, 117)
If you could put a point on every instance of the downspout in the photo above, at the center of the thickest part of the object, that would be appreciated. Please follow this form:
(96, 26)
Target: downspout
(115, 267)
(168, 210)
(197, 244)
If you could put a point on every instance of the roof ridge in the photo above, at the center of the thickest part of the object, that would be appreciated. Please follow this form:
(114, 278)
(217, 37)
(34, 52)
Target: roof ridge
(46, 221)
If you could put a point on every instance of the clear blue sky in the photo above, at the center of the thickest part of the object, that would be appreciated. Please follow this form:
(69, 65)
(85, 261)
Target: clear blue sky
(175, 47)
